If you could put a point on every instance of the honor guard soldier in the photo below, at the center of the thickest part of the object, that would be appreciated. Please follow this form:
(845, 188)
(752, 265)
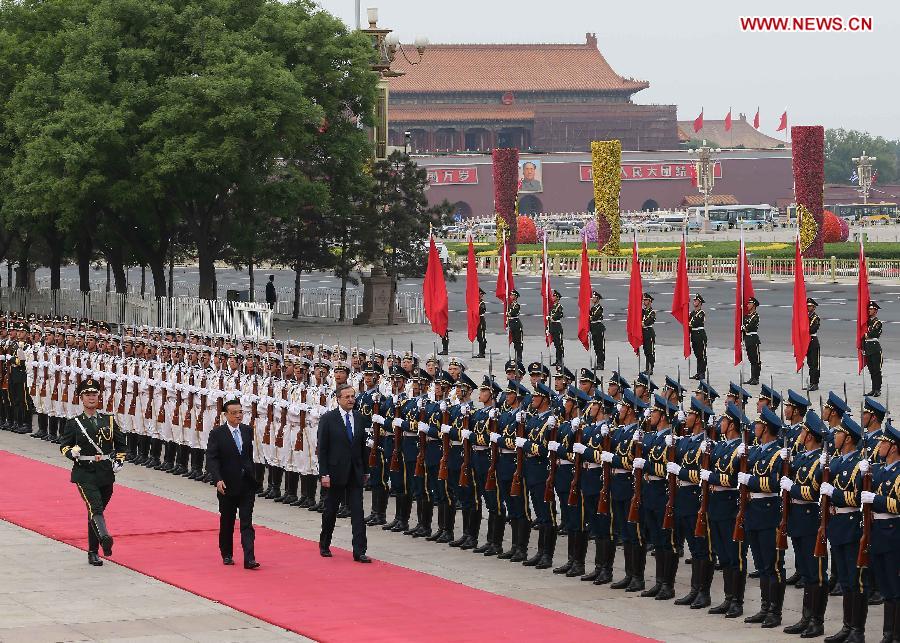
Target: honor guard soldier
(554, 326)
(96, 446)
(845, 527)
(481, 424)
(598, 329)
(871, 348)
(750, 331)
(697, 326)
(481, 333)
(814, 352)
(885, 548)
(648, 319)
(803, 524)
(514, 320)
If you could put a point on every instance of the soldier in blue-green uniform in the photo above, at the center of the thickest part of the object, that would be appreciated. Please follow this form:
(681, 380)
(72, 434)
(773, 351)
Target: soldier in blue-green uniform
(480, 426)
(96, 446)
(764, 514)
(686, 467)
(412, 410)
(512, 414)
(845, 527)
(598, 423)
(378, 478)
(534, 446)
(440, 490)
(722, 511)
(884, 550)
(621, 489)
(399, 482)
(574, 403)
(803, 525)
(468, 498)
(657, 439)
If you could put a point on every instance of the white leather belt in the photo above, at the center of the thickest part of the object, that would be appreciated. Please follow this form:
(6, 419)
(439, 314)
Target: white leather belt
(881, 516)
(846, 510)
(481, 448)
(760, 495)
(507, 451)
(592, 465)
(684, 483)
(621, 471)
(797, 501)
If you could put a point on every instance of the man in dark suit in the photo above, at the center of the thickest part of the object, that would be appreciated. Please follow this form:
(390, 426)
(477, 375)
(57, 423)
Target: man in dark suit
(229, 460)
(342, 465)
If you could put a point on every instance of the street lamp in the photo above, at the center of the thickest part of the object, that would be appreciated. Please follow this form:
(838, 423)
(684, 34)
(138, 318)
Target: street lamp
(704, 170)
(864, 174)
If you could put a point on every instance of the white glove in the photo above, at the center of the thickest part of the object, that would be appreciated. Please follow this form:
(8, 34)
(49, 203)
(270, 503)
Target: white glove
(370, 443)
(579, 448)
(492, 413)
(397, 423)
(445, 429)
(638, 463)
(704, 474)
(670, 440)
(636, 437)
(494, 436)
(826, 489)
(423, 427)
(466, 434)
(673, 467)
(606, 456)
(741, 450)
(863, 466)
(553, 445)
(786, 484)
(867, 497)
(576, 422)
(743, 478)
(378, 419)
(604, 430)
(823, 458)
(520, 416)
(443, 406)
(520, 442)
(551, 421)
(783, 453)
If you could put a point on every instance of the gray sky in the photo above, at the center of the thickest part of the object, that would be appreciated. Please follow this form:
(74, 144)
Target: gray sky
(694, 53)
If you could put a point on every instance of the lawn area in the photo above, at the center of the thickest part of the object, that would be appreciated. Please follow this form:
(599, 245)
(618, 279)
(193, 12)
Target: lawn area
(848, 250)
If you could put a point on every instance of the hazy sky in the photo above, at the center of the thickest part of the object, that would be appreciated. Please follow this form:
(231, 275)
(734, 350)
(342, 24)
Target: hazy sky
(694, 53)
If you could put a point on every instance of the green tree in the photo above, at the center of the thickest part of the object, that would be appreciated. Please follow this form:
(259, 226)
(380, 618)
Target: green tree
(841, 146)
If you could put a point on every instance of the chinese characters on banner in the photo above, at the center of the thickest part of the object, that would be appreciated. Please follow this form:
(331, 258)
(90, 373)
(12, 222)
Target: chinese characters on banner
(452, 175)
(649, 171)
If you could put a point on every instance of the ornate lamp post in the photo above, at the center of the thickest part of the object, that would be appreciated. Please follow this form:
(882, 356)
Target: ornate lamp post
(704, 170)
(864, 174)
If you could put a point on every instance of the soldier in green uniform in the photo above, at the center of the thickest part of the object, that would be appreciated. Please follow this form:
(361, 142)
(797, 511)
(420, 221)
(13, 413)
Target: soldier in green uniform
(96, 446)
(598, 330)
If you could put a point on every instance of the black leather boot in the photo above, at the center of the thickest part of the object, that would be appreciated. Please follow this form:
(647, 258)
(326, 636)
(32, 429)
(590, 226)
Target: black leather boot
(776, 600)
(640, 563)
(542, 538)
(691, 596)
(546, 561)
(728, 586)
(805, 614)
(629, 570)
(581, 544)
(765, 603)
(570, 560)
(739, 579)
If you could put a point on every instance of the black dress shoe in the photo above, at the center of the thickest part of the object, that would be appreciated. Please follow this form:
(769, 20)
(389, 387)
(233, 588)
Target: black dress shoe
(94, 559)
(227, 560)
(325, 553)
(250, 564)
(362, 558)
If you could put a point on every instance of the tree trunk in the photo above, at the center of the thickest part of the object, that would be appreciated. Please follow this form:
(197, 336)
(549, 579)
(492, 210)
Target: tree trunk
(295, 313)
(83, 249)
(252, 279)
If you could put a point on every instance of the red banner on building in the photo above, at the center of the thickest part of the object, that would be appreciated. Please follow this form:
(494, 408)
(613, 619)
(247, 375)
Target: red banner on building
(649, 171)
(453, 175)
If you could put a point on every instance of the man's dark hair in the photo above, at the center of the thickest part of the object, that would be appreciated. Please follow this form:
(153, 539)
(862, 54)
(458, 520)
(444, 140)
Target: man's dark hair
(230, 403)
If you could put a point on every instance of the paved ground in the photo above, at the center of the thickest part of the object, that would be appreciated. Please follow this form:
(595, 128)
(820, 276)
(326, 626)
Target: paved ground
(72, 602)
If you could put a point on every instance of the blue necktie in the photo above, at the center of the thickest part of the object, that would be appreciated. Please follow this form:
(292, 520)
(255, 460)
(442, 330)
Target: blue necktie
(349, 427)
(237, 439)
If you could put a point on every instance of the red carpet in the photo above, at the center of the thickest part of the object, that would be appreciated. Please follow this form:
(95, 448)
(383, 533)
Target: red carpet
(327, 600)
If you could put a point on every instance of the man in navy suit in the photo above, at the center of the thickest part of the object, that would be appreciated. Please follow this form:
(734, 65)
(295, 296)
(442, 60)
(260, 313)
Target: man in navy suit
(342, 465)
(229, 460)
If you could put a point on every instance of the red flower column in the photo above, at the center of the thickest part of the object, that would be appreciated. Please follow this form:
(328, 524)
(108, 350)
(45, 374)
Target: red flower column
(506, 188)
(808, 146)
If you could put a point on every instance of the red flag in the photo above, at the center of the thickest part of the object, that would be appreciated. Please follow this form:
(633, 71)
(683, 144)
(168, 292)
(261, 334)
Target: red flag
(472, 288)
(742, 293)
(545, 291)
(584, 297)
(756, 119)
(862, 304)
(783, 124)
(800, 318)
(505, 284)
(681, 298)
(698, 122)
(633, 324)
(728, 121)
(435, 291)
